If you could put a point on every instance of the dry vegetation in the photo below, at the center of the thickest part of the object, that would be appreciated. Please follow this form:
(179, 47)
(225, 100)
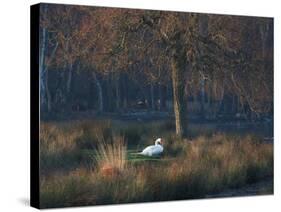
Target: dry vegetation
(86, 163)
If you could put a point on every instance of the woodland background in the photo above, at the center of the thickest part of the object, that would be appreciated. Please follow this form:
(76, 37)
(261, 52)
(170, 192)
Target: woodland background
(118, 61)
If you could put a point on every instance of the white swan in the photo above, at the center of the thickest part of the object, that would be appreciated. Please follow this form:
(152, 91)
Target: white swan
(153, 150)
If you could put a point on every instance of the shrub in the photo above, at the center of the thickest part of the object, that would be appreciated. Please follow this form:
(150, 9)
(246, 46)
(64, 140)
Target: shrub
(168, 125)
(132, 135)
(58, 148)
(93, 131)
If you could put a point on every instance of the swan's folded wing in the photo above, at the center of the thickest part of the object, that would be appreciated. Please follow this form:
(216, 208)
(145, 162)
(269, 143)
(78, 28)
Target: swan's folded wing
(157, 150)
(147, 150)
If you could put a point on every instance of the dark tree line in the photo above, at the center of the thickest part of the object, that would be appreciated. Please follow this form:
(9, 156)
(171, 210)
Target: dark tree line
(117, 60)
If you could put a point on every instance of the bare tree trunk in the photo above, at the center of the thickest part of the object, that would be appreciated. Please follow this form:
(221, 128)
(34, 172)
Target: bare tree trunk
(220, 104)
(48, 93)
(238, 104)
(264, 32)
(233, 109)
(117, 93)
(161, 97)
(209, 99)
(164, 97)
(69, 78)
(125, 92)
(152, 97)
(41, 63)
(109, 95)
(180, 104)
(195, 101)
(45, 94)
(99, 92)
(202, 100)
(46, 71)
(203, 30)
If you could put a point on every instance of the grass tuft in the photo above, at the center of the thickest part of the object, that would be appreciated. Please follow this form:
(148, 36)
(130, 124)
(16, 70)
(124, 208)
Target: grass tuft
(111, 158)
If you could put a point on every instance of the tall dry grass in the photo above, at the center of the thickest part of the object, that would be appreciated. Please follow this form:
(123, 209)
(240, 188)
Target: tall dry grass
(111, 157)
(189, 168)
(67, 146)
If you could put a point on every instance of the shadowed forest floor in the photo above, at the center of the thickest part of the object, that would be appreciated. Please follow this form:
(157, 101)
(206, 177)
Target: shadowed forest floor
(91, 162)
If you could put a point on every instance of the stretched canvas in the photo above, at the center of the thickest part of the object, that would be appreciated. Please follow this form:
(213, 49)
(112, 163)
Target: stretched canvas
(131, 105)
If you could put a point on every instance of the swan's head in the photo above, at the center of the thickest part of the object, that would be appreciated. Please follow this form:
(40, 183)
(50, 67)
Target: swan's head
(159, 141)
